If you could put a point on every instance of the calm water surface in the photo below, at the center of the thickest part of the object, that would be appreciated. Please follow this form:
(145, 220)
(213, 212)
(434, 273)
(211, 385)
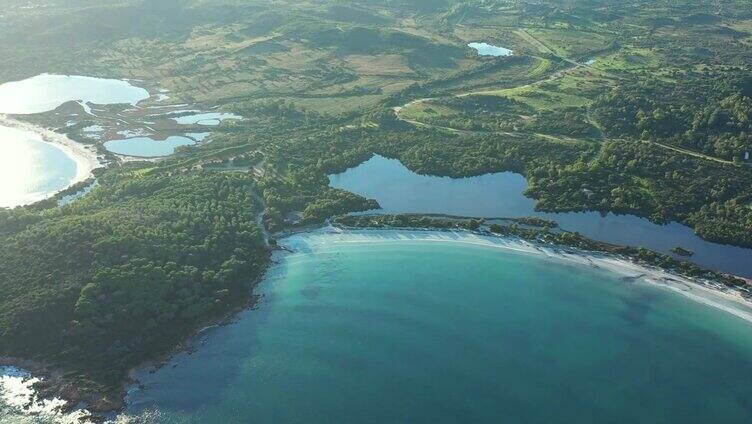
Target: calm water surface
(485, 49)
(208, 119)
(199, 137)
(30, 168)
(147, 146)
(399, 190)
(46, 92)
(375, 327)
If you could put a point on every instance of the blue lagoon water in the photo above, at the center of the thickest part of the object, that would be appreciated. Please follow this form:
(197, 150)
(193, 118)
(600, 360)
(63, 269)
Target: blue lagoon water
(46, 92)
(485, 49)
(374, 327)
(198, 137)
(148, 147)
(501, 195)
(30, 169)
(208, 119)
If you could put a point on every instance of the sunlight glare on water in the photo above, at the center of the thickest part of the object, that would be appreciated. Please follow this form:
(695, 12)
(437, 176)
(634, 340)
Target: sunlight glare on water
(30, 169)
(46, 92)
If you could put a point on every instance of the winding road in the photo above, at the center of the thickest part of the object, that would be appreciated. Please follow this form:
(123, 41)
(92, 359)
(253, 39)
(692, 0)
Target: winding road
(260, 217)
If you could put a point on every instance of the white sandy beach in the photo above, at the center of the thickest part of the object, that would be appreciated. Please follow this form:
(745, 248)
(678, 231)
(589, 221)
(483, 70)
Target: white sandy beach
(84, 156)
(708, 293)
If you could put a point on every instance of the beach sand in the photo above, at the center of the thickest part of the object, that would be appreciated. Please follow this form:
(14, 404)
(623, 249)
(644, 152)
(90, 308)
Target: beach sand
(708, 293)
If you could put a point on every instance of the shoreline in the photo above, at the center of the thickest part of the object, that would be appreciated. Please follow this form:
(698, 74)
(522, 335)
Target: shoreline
(36, 390)
(47, 392)
(85, 158)
(703, 291)
(56, 395)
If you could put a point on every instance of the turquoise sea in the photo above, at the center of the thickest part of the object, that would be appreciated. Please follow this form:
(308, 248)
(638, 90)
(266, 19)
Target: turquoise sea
(386, 327)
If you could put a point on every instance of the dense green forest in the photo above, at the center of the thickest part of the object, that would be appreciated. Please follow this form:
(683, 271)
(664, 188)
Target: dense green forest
(638, 106)
(124, 274)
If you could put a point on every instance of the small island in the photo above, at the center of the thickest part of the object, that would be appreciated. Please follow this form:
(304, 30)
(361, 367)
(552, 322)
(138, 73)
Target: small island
(682, 251)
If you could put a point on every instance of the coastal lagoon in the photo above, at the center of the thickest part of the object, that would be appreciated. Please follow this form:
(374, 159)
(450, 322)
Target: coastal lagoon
(208, 119)
(30, 168)
(428, 327)
(46, 92)
(485, 49)
(148, 147)
(501, 195)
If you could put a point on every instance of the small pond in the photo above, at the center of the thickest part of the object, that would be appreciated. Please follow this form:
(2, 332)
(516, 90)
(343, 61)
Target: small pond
(199, 137)
(485, 49)
(208, 119)
(147, 147)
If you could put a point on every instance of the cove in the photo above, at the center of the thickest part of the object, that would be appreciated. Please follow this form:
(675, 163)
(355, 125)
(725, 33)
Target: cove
(30, 168)
(46, 92)
(501, 195)
(147, 147)
(426, 327)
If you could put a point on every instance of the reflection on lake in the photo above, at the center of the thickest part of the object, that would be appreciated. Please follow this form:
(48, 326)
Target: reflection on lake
(485, 49)
(399, 190)
(46, 92)
(147, 147)
(30, 168)
(209, 119)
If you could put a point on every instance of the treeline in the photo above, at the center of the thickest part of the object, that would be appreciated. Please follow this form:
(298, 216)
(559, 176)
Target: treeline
(649, 181)
(726, 222)
(304, 161)
(280, 110)
(710, 114)
(306, 192)
(622, 176)
(125, 273)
